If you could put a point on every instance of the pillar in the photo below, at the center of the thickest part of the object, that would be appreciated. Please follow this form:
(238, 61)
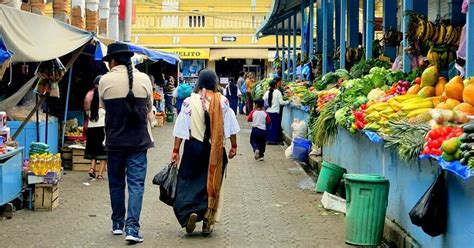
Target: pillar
(283, 50)
(369, 24)
(337, 8)
(289, 47)
(407, 6)
(60, 10)
(303, 26)
(104, 11)
(325, 35)
(390, 21)
(353, 23)
(294, 46)
(78, 13)
(128, 21)
(319, 27)
(311, 29)
(92, 15)
(113, 32)
(470, 39)
(342, 33)
(457, 18)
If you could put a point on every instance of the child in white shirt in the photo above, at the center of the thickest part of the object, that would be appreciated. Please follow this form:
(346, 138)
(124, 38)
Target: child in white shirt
(258, 138)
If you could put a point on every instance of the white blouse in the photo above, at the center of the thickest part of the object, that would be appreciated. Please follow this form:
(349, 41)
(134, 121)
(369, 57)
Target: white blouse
(182, 126)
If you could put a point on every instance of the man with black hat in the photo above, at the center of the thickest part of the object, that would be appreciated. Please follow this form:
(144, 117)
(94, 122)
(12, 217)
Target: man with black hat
(126, 94)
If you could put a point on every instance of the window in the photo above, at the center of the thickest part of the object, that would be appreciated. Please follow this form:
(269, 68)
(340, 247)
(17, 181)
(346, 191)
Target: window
(197, 21)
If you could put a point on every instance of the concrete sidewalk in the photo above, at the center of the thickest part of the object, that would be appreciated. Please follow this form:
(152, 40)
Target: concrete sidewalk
(266, 204)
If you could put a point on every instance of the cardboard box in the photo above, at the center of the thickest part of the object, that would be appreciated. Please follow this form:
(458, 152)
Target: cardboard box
(46, 197)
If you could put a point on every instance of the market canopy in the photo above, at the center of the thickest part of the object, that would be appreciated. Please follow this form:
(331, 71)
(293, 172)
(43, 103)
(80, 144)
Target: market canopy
(34, 38)
(154, 55)
(279, 14)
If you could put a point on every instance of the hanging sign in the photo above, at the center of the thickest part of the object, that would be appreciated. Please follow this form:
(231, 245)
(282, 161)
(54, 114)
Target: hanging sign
(229, 38)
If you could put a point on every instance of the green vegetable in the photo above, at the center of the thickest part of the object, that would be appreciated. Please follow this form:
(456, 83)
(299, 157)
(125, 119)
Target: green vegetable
(325, 128)
(468, 128)
(408, 139)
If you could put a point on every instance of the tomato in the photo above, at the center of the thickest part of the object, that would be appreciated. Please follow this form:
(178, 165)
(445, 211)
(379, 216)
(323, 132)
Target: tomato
(436, 143)
(434, 134)
(418, 80)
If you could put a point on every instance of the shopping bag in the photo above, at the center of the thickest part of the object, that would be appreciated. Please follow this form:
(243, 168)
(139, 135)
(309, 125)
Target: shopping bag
(430, 212)
(167, 179)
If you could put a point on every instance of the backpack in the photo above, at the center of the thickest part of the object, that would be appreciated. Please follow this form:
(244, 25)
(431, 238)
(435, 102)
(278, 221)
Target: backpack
(243, 87)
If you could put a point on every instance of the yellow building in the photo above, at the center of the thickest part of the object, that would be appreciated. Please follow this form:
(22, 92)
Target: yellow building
(218, 34)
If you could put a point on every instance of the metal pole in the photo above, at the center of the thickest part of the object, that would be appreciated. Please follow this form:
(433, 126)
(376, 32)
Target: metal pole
(128, 21)
(67, 104)
(369, 22)
(342, 34)
(302, 45)
(294, 47)
(283, 66)
(470, 39)
(325, 36)
(311, 29)
(277, 44)
(289, 48)
(407, 6)
(389, 21)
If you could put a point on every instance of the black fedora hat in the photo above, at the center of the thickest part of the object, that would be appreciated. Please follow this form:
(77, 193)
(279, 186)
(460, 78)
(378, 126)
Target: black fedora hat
(115, 49)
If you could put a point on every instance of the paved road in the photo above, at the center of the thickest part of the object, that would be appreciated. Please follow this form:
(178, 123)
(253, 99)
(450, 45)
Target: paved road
(265, 205)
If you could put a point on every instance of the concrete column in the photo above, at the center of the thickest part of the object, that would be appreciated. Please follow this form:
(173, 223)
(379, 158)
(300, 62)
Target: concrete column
(311, 29)
(407, 6)
(92, 15)
(113, 31)
(342, 33)
(60, 10)
(390, 21)
(294, 46)
(37, 6)
(470, 39)
(104, 10)
(78, 13)
(353, 23)
(369, 24)
(127, 25)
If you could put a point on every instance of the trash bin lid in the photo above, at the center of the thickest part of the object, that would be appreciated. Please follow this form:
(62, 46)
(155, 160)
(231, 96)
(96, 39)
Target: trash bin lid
(333, 166)
(369, 178)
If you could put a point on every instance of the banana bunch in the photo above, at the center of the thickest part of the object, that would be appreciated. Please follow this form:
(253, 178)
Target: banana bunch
(354, 54)
(421, 29)
(392, 38)
(440, 56)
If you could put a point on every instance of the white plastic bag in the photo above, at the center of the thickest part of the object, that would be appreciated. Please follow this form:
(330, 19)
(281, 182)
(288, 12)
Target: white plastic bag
(289, 151)
(299, 129)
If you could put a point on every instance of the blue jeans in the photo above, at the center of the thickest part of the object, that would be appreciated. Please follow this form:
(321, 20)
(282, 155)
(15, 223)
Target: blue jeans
(169, 104)
(131, 165)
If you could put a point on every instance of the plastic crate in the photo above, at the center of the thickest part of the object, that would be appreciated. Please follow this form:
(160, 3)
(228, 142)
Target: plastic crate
(28, 134)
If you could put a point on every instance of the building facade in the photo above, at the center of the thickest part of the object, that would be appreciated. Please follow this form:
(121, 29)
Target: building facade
(217, 34)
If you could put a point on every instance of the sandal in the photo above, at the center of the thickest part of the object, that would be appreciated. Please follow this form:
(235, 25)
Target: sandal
(100, 177)
(92, 172)
(207, 228)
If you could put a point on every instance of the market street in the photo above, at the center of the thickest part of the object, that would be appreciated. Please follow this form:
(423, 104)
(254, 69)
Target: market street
(264, 206)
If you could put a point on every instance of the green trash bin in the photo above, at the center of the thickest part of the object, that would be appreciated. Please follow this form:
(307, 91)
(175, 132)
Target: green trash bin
(169, 117)
(329, 178)
(366, 203)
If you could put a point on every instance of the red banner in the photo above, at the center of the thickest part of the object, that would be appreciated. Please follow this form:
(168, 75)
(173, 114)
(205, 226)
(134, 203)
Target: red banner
(122, 11)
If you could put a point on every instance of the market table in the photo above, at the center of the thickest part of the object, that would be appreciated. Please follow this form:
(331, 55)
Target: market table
(11, 182)
(408, 182)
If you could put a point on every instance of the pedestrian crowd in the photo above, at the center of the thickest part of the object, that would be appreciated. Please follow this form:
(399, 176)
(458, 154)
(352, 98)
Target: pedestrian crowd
(119, 111)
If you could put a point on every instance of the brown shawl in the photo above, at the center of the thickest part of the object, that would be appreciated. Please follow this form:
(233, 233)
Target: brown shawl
(215, 173)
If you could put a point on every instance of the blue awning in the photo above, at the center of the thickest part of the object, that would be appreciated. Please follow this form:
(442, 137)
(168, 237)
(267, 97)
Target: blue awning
(155, 55)
(4, 53)
(280, 12)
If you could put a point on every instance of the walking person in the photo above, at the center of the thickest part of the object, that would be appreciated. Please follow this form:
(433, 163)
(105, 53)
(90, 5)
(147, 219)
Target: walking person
(126, 95)
(274, 100)
(168, 91)
(240, 83)
(95, 114)
(258, 138)
(205, 121)
(232, 93)
(250, 81)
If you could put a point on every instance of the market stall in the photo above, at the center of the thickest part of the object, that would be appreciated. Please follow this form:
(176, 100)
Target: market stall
(407, 117)
(27, 37)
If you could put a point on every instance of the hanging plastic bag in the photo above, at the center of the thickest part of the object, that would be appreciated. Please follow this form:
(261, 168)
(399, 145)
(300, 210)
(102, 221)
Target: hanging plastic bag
(167, 179)
(430, 212)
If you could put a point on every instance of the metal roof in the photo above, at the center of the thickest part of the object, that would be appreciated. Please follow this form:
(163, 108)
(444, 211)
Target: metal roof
(280, 12)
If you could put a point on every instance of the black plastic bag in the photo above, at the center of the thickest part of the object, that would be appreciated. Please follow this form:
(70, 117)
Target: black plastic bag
(431, 211)
(167, 179)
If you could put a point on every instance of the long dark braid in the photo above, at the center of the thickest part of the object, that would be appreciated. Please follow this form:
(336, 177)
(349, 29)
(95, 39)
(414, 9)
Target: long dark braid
(94, 109)
(131, 106)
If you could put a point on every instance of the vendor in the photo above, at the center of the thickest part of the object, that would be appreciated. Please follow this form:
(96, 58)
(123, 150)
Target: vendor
(274, 99)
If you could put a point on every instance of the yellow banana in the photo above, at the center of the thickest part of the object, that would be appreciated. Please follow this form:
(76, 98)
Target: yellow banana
(418, 112)
(425, 103)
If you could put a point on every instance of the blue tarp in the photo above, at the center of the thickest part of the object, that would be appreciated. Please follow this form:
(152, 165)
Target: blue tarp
(150, 53)
(373, 136)
(4, 53)
(455, 167)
